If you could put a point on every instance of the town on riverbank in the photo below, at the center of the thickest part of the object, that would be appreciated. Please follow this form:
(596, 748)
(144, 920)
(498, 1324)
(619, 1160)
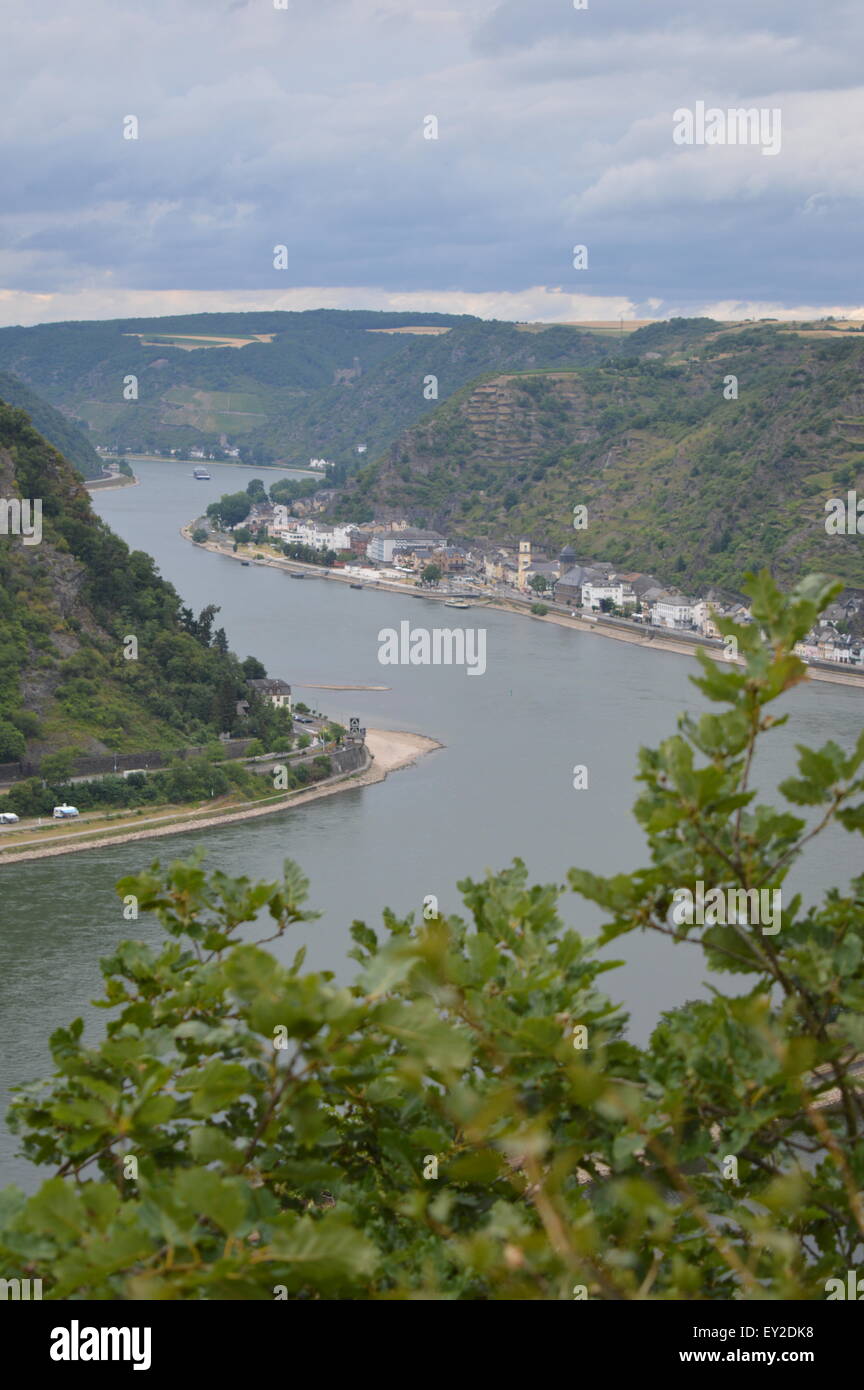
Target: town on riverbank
(625, 605)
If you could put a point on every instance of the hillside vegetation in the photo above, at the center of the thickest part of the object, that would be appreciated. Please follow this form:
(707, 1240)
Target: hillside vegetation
(67, 607)
(63, 433)
(677, 478)
(324, 382)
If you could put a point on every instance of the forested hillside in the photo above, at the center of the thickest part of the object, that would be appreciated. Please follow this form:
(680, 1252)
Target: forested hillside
(284, 387)
(679, 477)
(68, 606)
(64, 434)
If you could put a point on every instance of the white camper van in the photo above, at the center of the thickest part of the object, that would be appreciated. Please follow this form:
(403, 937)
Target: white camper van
(65, 812)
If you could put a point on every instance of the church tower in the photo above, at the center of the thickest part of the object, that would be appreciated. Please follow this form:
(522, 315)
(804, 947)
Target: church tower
(524, 563)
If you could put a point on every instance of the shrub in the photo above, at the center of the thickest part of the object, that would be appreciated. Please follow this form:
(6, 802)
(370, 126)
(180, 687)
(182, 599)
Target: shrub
(468, 1120)
(12, 742)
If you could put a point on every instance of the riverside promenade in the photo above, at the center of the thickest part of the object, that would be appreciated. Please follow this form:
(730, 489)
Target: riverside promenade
(385, 751)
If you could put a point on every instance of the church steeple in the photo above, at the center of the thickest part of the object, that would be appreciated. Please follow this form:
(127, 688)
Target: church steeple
(524, 563)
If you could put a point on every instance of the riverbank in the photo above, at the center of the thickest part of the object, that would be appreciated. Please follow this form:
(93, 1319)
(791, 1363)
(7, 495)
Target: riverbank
(654, 642)
(388, 751)
(117, 480)
(253, 468)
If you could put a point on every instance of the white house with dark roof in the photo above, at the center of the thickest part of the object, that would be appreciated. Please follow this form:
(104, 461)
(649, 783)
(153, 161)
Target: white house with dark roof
(277, 692)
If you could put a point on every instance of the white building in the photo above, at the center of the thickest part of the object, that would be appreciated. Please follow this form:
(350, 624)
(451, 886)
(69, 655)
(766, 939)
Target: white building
(283, 527)
(703, 617)
(675, 611)
(276, 692)
(380, 549)
(316, 534)
(620, 595)
(383, 546)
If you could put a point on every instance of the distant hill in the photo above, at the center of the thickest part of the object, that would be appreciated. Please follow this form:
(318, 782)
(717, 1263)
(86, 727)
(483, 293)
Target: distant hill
(64, 434)
(67, 606)
(677, 479)
(292, 386)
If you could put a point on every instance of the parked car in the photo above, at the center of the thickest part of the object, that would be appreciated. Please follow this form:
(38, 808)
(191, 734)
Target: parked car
(65, 812)
(8, 818)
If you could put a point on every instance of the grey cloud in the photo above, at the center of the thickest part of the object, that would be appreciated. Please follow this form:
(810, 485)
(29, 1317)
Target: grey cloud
(304, 126)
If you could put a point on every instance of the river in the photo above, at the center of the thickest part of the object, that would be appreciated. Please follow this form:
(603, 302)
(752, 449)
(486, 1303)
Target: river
(501, 787)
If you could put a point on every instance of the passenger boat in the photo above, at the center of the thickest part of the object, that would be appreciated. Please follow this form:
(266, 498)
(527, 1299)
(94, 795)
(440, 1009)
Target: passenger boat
(202, 475)
(457, 603)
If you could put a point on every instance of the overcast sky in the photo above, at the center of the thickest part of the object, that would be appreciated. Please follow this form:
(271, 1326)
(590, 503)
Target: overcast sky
(304, 126)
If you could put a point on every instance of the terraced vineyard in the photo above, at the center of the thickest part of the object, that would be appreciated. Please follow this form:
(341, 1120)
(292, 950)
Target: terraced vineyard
(678, 479)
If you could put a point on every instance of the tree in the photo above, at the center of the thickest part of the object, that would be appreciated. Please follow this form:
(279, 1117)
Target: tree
(538, 583)
(431, 574)
(846, 475)
(12, 742)
(468, 1120)
(256, 490)
(231, 509)
(199, 535)
(29, 798)
(58, 767)
(201, 628)
(242, 535)
(224, 710)
(253, 669)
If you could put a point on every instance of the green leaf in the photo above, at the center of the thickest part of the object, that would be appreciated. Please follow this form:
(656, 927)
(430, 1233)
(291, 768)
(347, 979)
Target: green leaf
(215, 1086)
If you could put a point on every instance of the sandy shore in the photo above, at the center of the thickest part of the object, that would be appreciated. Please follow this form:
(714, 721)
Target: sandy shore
(105, 484)
(228, 463)
(389, 751)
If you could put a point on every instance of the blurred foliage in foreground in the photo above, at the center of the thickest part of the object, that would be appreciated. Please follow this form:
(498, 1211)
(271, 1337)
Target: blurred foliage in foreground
(468, 1120)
